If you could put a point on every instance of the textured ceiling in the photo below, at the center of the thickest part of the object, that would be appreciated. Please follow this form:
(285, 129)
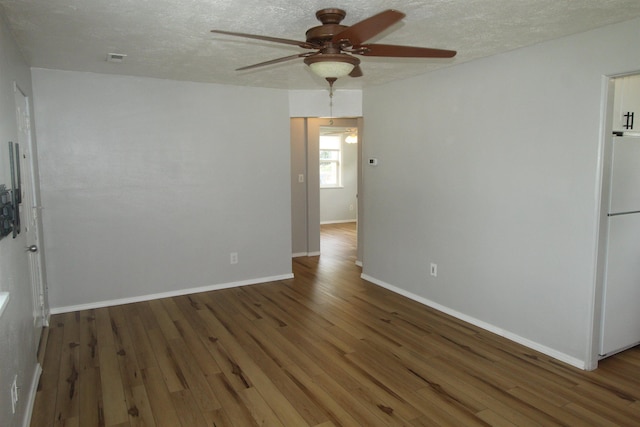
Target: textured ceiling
(170, 38)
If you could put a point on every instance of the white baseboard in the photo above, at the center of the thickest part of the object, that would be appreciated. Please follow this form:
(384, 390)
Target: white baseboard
(301, 254)
(359, 263)
(340, 221)
(31, 399)
(580, 364)
(109, 303)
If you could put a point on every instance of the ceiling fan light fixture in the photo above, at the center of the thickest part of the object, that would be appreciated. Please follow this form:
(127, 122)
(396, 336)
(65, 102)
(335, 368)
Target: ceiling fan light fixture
(332, 65)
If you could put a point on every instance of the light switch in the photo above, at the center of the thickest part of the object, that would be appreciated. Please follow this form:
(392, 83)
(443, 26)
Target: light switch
(301, 178)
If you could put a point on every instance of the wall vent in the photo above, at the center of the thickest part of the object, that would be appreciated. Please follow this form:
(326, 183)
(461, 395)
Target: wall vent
(115, 57)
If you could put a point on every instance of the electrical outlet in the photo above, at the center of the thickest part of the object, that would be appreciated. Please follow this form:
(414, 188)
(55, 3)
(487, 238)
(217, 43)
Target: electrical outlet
(14, 394)
(350, 207)
(434, 270)
(233, 257)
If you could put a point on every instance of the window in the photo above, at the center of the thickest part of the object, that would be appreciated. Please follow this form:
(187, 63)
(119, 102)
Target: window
(330, 156)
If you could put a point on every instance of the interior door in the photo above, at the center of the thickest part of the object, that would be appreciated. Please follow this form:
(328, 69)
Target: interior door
(31, 209)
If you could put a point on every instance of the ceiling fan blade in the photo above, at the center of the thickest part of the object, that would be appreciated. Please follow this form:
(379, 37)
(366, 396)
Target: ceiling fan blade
(398, 51)
(275, 61)
(368, 28)
(305, 45)
(356, 72)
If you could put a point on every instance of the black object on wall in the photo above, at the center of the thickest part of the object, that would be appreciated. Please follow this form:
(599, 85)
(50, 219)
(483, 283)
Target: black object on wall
(10, 199)
(6, 211)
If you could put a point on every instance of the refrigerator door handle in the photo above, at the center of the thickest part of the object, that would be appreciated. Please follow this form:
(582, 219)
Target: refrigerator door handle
(622, 213)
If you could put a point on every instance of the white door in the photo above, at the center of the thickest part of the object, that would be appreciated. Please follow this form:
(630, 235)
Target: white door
(31, 210)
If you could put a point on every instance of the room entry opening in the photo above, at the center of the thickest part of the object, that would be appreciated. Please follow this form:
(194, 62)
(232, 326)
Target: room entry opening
(326, 158)
(338, 169)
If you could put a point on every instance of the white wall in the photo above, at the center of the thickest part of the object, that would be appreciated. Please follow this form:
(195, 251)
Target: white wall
(491, 170)
(315, 103)
(148, 185)
(17, 340)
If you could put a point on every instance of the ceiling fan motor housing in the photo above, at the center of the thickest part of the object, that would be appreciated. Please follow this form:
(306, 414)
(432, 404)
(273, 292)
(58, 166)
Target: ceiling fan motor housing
(330, 19)
(331, 16)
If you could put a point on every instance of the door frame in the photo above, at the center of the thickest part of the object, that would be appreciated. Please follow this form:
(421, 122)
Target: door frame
(32, 223)
(309, 131)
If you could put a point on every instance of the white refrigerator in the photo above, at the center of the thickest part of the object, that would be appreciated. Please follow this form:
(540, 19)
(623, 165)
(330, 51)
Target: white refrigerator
(621, 315)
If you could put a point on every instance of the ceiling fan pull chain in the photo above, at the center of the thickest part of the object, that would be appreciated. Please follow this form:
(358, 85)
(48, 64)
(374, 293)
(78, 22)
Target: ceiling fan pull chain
(331, 105)
(331, 80)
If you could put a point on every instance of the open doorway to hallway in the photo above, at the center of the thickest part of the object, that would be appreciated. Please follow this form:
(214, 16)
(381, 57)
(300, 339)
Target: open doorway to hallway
(326, 180)
(338, 182)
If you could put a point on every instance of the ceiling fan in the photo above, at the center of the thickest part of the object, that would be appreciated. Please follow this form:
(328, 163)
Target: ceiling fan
(335, 45)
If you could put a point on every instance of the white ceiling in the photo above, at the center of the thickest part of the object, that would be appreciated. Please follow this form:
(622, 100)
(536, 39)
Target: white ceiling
(170, 38)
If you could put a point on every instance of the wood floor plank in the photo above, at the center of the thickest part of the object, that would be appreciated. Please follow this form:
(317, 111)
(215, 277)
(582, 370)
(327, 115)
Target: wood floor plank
(173, 375)
(610, 408)
(67, 402)
(218, 418)
(495, 419)
(160, 398)
(496, 398)
(145, 354)
(114, 402)
(257, 345)
(163, 319)
(138, 405)
(453, 405)
(255, 375)
(47, 392)
(365, 413)
(547, 405)
(335, 410)
(379, 398)
(192, 332)
(589, 416)
(140, 411)
(195, 379)
(323, 349)
(260, 409)
(91, 412)
(232, 404)
(187, 409)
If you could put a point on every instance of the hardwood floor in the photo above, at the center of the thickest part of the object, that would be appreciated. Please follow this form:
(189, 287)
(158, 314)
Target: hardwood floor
(323, 349)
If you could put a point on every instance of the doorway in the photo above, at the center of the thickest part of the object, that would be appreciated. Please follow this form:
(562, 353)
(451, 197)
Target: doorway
(305, 181)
